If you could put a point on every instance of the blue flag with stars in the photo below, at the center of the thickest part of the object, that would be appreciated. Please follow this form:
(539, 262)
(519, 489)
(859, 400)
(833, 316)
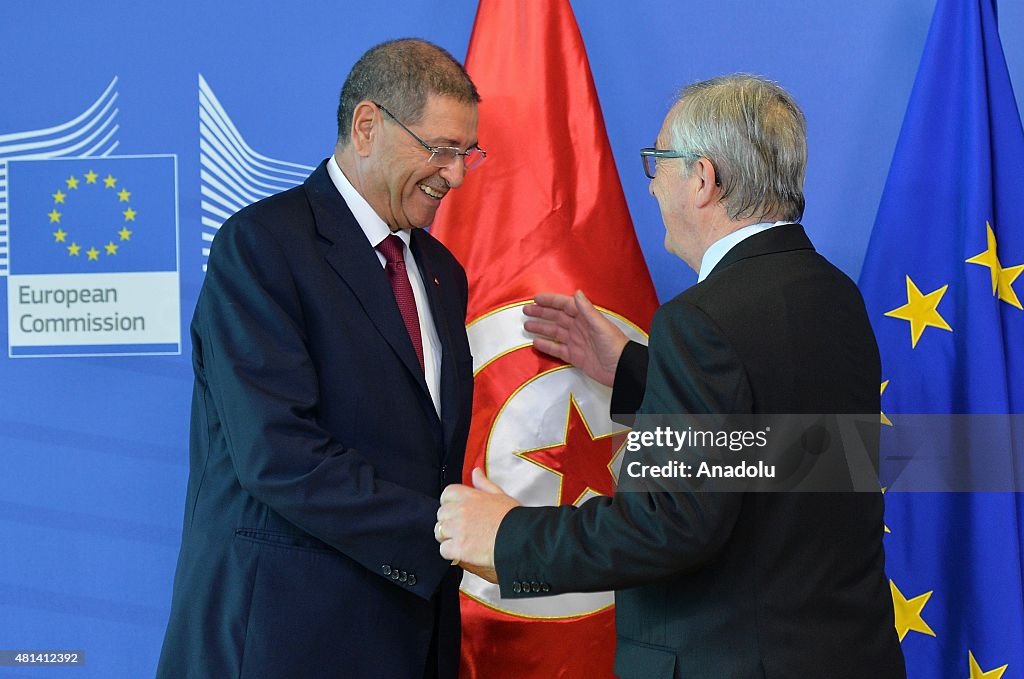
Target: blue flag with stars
(943, 284)
(92, 215)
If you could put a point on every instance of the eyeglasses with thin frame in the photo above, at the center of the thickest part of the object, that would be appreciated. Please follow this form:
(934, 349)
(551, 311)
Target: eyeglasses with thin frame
(442, 156)
(650, 155)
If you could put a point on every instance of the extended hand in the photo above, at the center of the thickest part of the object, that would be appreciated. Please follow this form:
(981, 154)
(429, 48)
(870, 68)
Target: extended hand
(573, 330)
(467, 524)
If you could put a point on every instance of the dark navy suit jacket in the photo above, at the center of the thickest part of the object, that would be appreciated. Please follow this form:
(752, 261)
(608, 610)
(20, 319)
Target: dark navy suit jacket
(317, 456)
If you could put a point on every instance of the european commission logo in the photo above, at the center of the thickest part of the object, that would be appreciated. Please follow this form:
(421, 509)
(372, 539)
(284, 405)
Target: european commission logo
(92, 256)
(88, 240)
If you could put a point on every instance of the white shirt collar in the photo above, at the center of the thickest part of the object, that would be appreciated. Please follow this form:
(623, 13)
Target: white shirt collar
(721, 247)
(375, 228)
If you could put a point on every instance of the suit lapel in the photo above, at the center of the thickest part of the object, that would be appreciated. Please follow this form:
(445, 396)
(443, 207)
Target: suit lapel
(438, 293)
(351, 256)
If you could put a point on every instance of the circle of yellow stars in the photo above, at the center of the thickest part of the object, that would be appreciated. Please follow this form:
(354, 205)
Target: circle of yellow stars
(71, 185)
(921, 312)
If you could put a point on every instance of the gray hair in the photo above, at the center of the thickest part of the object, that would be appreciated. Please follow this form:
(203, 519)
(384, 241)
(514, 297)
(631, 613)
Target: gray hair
(401, 74)
(754, 134)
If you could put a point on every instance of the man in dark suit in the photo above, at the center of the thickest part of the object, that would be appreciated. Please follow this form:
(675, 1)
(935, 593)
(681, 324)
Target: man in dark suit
(333, 388)
(732, 584)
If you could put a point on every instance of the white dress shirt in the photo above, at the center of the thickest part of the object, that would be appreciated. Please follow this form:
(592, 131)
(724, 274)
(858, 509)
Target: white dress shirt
(721, 247)
(376, 230)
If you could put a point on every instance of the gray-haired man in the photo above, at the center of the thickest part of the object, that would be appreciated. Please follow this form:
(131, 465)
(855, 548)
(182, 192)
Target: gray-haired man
(724, 585)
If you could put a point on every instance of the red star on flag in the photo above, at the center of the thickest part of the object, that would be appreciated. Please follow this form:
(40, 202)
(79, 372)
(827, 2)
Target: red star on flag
(582, 460)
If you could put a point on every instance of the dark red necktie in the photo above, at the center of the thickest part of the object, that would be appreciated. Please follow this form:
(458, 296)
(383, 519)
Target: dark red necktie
(393, 249)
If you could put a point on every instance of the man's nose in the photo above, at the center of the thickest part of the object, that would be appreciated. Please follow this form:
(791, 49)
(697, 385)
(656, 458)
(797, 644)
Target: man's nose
(454, 173)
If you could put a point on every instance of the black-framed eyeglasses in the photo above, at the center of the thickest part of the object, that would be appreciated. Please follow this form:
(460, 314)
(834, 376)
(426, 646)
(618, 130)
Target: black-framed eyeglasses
(650, 157)
(442, 156)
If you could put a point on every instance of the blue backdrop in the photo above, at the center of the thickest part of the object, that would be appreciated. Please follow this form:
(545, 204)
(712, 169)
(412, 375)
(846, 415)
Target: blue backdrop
(244, 94)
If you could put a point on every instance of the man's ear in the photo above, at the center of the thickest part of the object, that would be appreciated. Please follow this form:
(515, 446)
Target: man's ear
(708, 191)
(365, 127)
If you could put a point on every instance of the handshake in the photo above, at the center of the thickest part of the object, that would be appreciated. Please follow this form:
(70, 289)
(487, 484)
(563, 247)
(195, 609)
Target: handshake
(570, 329)
(467, 524)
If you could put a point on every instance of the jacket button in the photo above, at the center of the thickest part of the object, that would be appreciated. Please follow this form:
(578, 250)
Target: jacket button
(395, 574)
(535, 586)
(404, 577)
(412, 579)
(386, 569)
(545, 587)
(516, 587)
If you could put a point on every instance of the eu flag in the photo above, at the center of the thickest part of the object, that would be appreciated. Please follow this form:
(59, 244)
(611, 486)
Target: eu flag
(93, 215)
(942, 280)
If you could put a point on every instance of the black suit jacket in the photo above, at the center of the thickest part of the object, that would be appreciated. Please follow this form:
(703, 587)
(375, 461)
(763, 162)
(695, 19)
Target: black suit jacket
(734, 585)
(317, 457)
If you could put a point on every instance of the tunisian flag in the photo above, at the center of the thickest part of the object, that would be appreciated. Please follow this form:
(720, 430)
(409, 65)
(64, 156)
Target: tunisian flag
(545, 213)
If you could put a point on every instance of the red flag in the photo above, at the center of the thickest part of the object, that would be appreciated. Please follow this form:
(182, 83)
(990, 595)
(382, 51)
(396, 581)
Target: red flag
(545, 213)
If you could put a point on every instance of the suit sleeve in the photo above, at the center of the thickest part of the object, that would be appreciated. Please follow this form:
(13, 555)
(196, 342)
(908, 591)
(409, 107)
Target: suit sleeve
(263, 384)
(634, 537)
(630, 383)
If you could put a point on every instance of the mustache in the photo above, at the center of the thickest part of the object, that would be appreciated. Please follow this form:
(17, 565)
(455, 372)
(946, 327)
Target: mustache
(441, 185)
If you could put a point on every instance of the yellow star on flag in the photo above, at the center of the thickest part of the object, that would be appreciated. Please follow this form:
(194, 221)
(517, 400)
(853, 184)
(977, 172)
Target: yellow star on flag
(93, 253)
(123, 195)
(73, 249)
(976, 672)
(1002, 279)
(908, 612)
(59, 197)
(72, 182)
(921, 311)
(129, 215)
(110, 248)
(109, 182)
(54, 216)
(885, 420)
(90, 177)
(59, 235)
(124, 233)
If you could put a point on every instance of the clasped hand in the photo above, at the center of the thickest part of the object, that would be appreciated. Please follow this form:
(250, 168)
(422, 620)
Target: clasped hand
(467, 524)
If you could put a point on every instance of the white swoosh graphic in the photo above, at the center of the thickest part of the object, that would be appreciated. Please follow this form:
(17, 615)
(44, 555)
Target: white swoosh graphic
(233, 175)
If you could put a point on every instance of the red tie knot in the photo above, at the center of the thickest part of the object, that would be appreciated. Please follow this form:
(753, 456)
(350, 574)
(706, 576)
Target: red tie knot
(393, 249)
